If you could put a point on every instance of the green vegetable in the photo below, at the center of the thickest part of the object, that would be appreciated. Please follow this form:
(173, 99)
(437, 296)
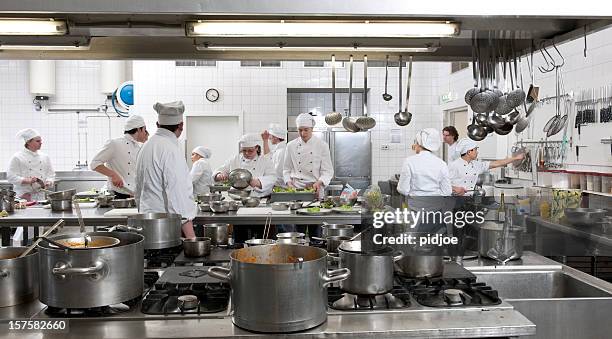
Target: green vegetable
(314, 209)
(346, 207)
(327, 205)
(279, 189)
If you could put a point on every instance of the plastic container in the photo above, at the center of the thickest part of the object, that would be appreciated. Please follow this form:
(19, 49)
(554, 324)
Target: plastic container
(597, 183)
(590, 180)
(606, 184)
(583, 181)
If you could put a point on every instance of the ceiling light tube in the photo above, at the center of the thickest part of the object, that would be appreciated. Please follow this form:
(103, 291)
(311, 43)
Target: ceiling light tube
(320, 49)
(43, 48)
(370, 29)
(13, 26)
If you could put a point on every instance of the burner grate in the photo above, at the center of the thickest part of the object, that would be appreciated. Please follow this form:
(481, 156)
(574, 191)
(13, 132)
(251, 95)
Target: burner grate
(93, 312)
(398, 297)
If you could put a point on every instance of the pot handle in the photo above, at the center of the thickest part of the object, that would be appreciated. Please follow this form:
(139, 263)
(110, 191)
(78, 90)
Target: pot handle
(399, 255)
(63, 269)
(333, 256)
(4, 274)
(335, 275)
(220, 273)
(127, 228)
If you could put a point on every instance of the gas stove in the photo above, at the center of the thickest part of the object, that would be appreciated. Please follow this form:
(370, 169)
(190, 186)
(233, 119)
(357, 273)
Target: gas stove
(161, 258)
(455, 288)
(184, 290)
(218, 255)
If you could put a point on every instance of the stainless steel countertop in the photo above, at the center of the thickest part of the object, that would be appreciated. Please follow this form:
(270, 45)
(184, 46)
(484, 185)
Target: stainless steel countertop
(592, 234)
(37, 216)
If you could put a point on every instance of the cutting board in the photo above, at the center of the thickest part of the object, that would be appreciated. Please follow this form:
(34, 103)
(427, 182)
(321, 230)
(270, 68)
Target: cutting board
(260, 211)
(121, 212)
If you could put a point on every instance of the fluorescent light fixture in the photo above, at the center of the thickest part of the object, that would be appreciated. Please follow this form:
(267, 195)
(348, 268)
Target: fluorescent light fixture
(319, 49)
(14, 26)
(340, 29)
(44, 48)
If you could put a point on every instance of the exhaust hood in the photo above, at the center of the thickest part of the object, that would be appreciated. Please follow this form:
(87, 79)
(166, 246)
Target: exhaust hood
(181, 29)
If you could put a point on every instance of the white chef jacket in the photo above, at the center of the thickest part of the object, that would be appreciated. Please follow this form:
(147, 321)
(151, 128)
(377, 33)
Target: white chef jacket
(261, 167)
(277, 155)
(120, 155)
(453, 152)
(465, 174)
(424, 174)
(163, 184)
(26, 163)
(201, 176)
(307, 162)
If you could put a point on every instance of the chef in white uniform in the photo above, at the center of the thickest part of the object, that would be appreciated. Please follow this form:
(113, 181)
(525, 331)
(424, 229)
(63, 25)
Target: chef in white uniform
(450, 136)
(117, 158)
(307, 159)
(275, 135)
(424, 178)
(29, 169)
(250, 158)
(464, 171)
(201, 173)
(163, 184)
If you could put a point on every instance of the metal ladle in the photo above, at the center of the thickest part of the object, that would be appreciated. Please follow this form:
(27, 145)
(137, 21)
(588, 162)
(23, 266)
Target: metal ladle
(365, 122)
(403, 118)
(349, 122)
(386, 96)
(334, 116)
(59, 223)
(475, 131)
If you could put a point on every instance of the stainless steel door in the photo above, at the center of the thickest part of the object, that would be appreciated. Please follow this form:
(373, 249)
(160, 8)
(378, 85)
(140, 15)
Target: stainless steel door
(351, 154)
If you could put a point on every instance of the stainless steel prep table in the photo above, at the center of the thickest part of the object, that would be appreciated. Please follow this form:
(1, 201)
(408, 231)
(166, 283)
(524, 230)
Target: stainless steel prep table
(36, 216)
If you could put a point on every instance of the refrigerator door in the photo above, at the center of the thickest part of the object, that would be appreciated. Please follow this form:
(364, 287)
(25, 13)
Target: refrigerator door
(352, 158)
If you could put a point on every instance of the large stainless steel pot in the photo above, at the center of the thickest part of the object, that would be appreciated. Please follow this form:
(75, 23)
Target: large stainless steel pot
(492, 243)
(279, 288)
(160, 230)
(18, 276)
(343, 230)
(420, 266)
(61, 205)
(84, 278)
(371, 272)
(218, 233)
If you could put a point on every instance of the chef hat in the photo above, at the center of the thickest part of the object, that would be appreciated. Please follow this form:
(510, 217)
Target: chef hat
(134, 121)
(304, 120)
(202, 151)
(28, 134)
(429, 138)
(277, 131)
(466, 144)
(250, 140)
(170, 113)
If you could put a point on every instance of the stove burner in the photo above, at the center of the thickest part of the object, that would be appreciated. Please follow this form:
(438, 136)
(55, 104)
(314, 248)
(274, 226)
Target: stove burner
(161, 258)
(103, 311)
(194, 273)
(169, 298)
(396, 298)
(188, 302)
(454, 296)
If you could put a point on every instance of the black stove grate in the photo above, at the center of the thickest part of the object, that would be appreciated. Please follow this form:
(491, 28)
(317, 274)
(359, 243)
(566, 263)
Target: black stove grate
(161, 258)
(163, 299)
(398, 297)
(93, 312)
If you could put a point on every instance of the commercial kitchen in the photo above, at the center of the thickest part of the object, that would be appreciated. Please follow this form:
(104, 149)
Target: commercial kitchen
(208, 169)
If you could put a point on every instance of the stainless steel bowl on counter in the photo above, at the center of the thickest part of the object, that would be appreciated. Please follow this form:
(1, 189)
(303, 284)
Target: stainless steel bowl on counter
(92, 277)
(62, 195)
(250, 202)
(197, 247)
(240, 178)
(219, 206)
(18, 276)
(204, 207)
(295, 205)
(208, 197)
(61, 205)
(259, 242)
(124, 203)
(280, 206)
(295, 300)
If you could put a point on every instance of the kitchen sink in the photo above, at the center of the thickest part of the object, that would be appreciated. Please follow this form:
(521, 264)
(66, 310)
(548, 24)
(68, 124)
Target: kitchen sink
(539, 285)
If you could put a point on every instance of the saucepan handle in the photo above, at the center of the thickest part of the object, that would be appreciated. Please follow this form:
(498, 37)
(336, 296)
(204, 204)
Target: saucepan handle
(399, 255)
(336, 275)
(220, 273)
(127, 228)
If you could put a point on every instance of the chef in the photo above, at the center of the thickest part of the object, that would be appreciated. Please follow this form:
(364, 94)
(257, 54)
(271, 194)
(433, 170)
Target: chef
(464, 171)
(424, 178)
(450, 136)
(163, 184)
(201, 173)
(117, 158)
(250, 158)
(307, 159)
(29, 169)
(276, 135)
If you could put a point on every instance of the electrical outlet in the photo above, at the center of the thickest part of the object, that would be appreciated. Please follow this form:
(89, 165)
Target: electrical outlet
(384, 147)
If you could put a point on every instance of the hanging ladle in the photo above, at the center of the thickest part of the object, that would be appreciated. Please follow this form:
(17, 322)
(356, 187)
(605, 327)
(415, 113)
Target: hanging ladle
(403, 118)
(348, 122)
(334, 116)
(386, 96)
(365, 122)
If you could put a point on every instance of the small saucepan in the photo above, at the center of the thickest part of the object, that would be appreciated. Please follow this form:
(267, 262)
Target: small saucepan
(197, 247)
